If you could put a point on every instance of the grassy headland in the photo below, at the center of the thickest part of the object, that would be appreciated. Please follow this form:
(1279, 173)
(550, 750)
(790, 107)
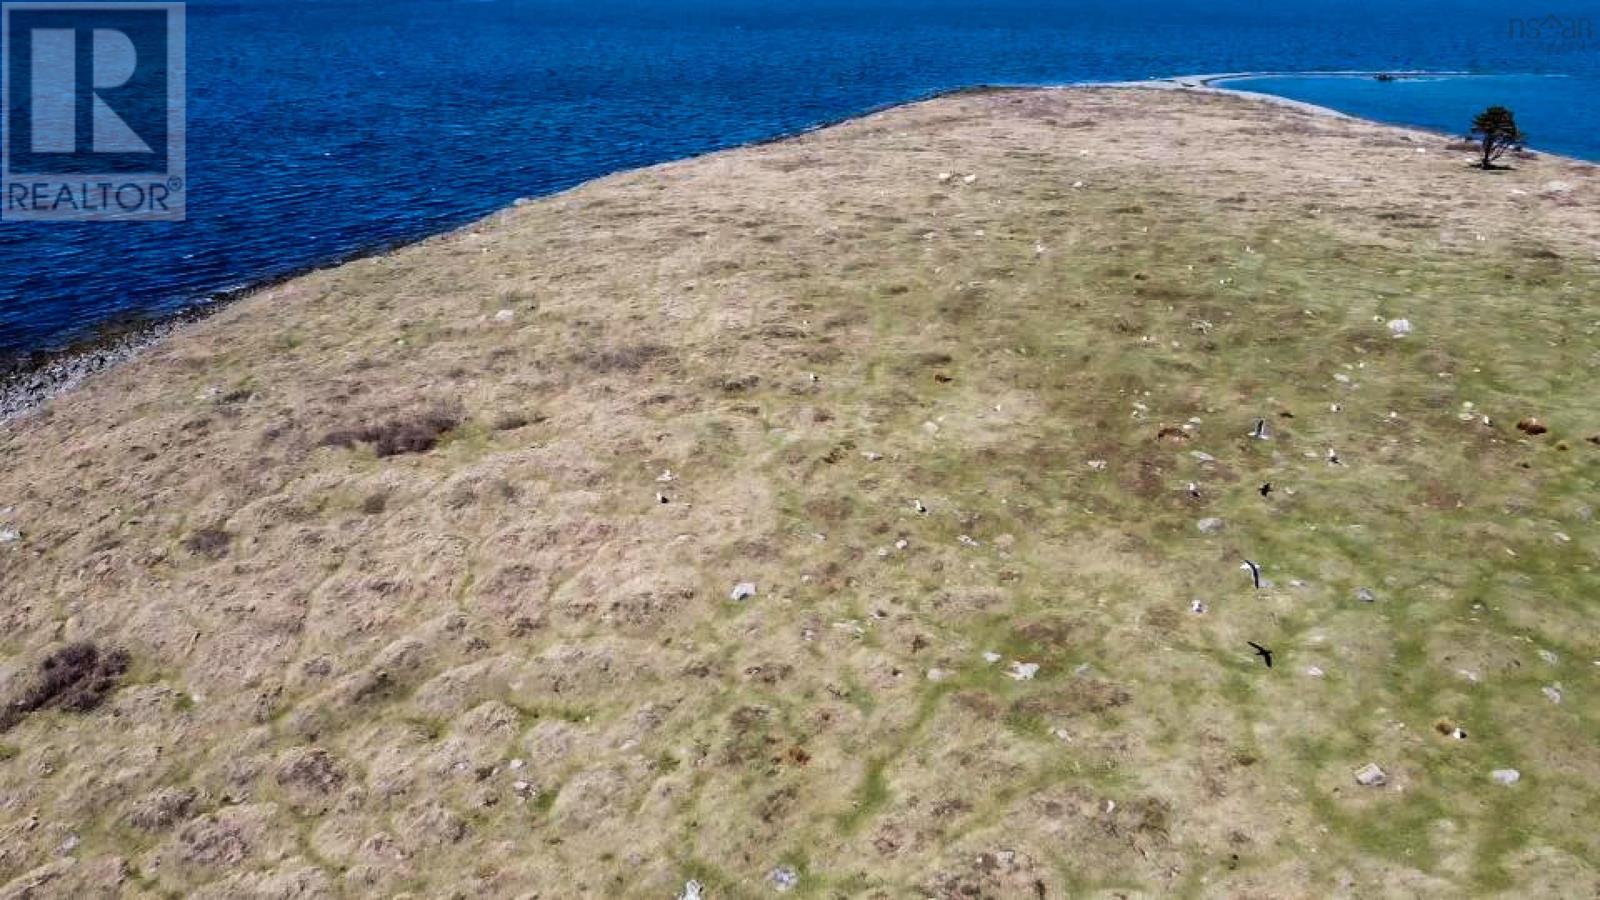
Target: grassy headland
(405, 612)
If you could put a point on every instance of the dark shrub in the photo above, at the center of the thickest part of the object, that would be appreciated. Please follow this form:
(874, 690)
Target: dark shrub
(212, 543)
(76, 677)
(415, 434)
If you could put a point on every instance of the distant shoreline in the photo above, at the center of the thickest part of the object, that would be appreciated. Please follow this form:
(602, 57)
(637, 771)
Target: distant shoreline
(31, 378)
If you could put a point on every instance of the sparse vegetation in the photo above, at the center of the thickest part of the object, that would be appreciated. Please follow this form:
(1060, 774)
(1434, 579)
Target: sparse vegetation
(946, 427)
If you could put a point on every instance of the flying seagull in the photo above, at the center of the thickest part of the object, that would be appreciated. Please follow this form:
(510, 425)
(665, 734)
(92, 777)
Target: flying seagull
(1255, 573)
(1264, 653)
(919, 506)
(1194, 490)
(1333, 457)
(1260, 431)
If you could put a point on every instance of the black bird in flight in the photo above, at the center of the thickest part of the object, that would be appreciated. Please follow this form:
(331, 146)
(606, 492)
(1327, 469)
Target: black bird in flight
(1262, 652)
(1255, 573)
(1266, 489)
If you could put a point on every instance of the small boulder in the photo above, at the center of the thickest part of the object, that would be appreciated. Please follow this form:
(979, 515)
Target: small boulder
(744, 590)
(784, 878)
(1021, 671)
(1370, 775)
(1210, 525)
(1399, 327)
(1507, 777)
(1531, 425)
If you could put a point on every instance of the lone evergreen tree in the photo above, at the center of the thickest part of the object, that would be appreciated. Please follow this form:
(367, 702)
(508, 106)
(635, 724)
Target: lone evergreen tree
(1496, 129)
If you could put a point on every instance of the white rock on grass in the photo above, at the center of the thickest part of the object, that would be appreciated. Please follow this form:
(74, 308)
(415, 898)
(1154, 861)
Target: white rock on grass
(1370, 775)
(1553, 692)
(1210, 525)
(691, 890)
(784, 878)
(1022, 671)
(505, 315)
(991, 657)
(1399, 327)
(9, 535)
(744, 590)
(1507, 777)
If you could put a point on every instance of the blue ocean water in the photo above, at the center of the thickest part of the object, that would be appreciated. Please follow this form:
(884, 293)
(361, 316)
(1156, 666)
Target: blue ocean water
(1559, 113)
(322, 128)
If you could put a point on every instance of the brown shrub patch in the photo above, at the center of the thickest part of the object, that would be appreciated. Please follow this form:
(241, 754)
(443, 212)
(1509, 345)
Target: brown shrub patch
(211, 543)
(1085, 695)
(413, 434)
(622, 359)
(77, 677)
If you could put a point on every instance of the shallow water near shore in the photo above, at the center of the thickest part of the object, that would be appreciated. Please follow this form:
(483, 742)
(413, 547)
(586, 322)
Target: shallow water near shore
(1557, 112)
(319, 130)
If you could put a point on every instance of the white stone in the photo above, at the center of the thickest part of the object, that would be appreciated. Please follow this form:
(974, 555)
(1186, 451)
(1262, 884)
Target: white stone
(744, 590)
(784, 879)
(991, 657)
(1399, 327)
(1370, 775)
(1022, 671)
(1506, 777)
(1210, 525)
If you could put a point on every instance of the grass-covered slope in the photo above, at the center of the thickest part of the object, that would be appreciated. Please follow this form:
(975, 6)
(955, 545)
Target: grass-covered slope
(404, 611)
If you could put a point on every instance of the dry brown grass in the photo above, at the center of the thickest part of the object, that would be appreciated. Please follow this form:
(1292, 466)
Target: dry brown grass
(479, 657)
